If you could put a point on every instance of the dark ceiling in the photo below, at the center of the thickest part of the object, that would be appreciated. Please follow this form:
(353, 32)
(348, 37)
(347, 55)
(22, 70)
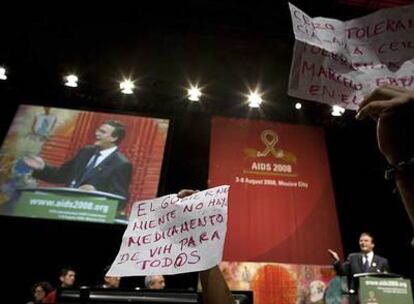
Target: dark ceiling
(225, 45)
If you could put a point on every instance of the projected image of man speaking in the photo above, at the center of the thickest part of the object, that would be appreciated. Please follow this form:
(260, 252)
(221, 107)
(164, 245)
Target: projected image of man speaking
(97, 167)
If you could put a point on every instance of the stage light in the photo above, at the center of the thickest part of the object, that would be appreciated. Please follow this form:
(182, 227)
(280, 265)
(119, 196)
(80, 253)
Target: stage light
(71, 81)
(337, 110)
(254, 100)
(127, 86)
(194, 93)
(3, 75)
(298, 106)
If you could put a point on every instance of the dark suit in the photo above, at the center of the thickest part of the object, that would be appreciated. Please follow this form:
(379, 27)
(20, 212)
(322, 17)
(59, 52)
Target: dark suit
(354, 265)
(112, 175)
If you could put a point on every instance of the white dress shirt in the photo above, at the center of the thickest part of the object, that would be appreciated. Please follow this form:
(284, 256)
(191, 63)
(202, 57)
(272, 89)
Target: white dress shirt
(369, 256)
(103, 154)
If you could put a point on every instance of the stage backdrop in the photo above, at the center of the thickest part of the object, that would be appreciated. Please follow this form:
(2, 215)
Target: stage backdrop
(281, 203)
(276, 283)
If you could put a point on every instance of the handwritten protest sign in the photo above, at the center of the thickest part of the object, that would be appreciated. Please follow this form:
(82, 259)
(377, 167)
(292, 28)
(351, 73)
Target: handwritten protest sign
(168, 235)
(340, 62)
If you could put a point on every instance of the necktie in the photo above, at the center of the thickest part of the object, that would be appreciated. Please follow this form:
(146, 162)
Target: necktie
(365, 266)
(88, 169)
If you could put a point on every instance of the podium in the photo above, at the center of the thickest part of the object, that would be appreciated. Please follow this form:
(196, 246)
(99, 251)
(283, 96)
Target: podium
(383, 288)
(62, 203)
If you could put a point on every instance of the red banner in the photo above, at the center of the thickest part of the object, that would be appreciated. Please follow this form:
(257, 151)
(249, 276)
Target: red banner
(281, 203)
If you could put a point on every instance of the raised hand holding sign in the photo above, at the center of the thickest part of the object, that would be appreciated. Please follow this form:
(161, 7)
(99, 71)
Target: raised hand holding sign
(169, 235)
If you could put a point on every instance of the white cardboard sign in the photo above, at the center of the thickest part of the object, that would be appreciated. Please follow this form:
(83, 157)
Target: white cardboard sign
(168, 235)
(339, 62)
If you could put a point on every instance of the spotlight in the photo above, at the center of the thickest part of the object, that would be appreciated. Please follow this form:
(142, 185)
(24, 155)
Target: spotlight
(3, 75)
(254, 100)
(337, 110)
(127, 86)
(298, 106)
(71, 81)
(194, 94)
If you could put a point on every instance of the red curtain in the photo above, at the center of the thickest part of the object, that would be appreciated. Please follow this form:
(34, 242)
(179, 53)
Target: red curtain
(143, 145)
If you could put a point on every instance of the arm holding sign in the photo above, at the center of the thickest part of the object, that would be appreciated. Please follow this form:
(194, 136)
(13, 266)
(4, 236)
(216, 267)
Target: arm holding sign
(214, 287)
(392, 109)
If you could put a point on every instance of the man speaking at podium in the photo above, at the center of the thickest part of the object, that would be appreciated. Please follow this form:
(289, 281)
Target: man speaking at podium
(359, 262)
(99, 167)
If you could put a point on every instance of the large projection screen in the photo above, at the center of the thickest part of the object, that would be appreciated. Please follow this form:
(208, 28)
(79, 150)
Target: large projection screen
(50, 166)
